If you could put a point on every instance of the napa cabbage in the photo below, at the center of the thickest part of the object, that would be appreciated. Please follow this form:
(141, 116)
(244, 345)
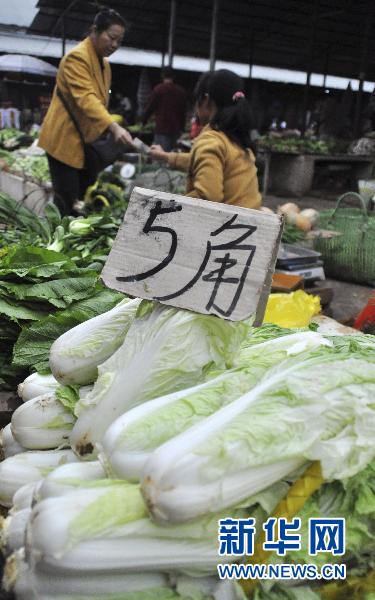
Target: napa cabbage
(166, 349)
(75, 355)
(317, 405)
(131, 439)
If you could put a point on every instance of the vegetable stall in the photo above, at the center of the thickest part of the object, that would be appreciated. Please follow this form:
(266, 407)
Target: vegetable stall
(142, 513)
(154, 450)
(142, 425)
(291, 162)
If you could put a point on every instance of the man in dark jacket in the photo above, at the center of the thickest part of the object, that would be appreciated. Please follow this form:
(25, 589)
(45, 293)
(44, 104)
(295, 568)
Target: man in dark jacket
(168, 103)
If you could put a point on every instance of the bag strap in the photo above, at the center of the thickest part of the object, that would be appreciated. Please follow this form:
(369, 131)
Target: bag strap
(75, 122)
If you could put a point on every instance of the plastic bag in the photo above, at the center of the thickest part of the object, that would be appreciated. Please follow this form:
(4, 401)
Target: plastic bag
(292, 310)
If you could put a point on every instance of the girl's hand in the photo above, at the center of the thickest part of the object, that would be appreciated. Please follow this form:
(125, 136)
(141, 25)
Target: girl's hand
(157, 153)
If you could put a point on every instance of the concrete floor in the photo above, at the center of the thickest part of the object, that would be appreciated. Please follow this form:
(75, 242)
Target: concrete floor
(318, 200)
(348, 298)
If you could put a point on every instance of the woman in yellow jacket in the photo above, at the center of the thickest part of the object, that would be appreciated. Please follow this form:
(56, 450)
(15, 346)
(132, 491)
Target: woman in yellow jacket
(83, 79)
(221, 165)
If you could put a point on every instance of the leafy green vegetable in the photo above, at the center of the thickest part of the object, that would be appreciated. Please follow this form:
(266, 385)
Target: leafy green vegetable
(42, 423)
(64, 235)
(268, 331)
(13, 138)
(33, 345)
(115, 517)
(129, 442)
(57, 292)
(36, 385)
(33, 263)
(291, 234)
(68, 396)
(352, 499)
(75, 356)
(34, 167)
(296, 145)
(6, 156)
(139, 128)
(37, 284)
(165, 350)
(27, 467)
(16, 311)
(246, 445)
(280, 592)
(21, 226)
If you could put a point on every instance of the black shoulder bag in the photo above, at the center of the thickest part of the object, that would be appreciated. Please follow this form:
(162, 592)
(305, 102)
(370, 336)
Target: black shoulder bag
(101, 152)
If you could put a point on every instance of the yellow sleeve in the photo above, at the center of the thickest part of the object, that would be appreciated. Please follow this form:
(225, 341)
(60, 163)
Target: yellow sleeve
(80, 84)
(179, 160)
(207, 169)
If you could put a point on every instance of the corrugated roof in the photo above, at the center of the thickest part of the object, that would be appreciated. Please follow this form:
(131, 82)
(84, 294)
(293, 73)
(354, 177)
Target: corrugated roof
(18, 12)
(272, 33)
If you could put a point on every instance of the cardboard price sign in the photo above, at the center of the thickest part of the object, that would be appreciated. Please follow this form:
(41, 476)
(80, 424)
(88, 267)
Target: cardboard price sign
(204, 256)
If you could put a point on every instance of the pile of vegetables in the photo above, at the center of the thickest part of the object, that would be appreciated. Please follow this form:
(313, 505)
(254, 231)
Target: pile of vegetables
(19, 224)
(6, 158)
(31, 167)
(49, 278)
(155, 423)
(107, 191)
(142, 424)
(85, 240)
(297, 222)
(304, 220)
(139, 128)
(88, 240)
(11, 138)
(295, 145)
(42, 294)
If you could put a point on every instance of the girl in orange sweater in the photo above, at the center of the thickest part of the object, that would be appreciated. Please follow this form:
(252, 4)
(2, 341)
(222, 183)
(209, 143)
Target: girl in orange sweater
(221, 164)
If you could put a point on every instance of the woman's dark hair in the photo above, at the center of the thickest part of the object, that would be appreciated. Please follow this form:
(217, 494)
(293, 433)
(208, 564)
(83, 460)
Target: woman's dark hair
(107, 17)
(234, 116)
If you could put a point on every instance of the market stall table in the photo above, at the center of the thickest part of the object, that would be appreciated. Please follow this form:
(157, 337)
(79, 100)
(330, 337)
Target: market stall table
(292, 173)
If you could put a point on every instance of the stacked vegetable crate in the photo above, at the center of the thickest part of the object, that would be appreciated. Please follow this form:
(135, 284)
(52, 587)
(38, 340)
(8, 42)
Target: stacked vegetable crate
(29, 193)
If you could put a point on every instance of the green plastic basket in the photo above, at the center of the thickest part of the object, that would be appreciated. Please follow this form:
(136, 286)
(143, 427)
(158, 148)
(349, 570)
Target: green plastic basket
(351, 255)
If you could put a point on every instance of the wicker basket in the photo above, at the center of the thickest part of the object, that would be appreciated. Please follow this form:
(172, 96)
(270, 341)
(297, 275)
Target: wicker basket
(351, 255)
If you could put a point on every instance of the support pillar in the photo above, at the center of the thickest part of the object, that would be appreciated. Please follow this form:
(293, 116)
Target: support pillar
(63, 37)
(215, 12)
(326, 63)
(362, 72)
(172, 31)
(251, 55)
(310, 66)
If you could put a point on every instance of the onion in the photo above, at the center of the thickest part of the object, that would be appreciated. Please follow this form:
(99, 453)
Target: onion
(303, 223)
(291, 218)
(311, 214)
(288, 207)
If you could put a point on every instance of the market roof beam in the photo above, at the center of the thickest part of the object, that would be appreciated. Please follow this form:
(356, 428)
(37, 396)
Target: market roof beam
(278, 30)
